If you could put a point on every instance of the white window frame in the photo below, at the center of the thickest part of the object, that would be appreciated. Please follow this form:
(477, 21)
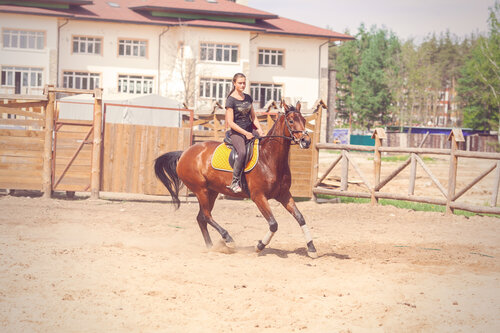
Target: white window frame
(140, 84)
(86, 45)
(81, 80)
(272, 91)
(23, 39)
(271, 57)
(31, 77)
(219, 52)
(215, 88)
(137, 48)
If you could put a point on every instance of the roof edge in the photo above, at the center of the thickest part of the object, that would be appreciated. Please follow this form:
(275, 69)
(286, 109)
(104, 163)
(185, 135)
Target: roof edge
(205, 12)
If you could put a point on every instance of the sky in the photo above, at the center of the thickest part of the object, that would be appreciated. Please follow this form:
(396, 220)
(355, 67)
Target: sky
(406, 18)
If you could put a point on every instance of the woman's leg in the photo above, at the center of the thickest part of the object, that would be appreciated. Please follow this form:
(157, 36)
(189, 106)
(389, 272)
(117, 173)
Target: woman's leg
(239, 145)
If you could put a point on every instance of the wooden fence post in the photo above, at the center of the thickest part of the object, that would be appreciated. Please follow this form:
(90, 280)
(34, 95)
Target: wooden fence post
(95, 181)
(455, 136)
(47, 152)
(316, 139)
(345, 171)
(378, 135)
(413, 174)
(496, 184)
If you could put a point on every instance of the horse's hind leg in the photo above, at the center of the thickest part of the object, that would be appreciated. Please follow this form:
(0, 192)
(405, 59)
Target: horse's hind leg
(287, 201)
(202, 222)
(206, 199)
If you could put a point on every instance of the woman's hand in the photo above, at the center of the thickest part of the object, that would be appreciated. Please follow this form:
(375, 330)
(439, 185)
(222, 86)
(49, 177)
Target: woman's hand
(249, 135)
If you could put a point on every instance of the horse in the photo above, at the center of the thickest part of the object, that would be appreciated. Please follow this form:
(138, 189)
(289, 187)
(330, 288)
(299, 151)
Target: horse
(269, 179)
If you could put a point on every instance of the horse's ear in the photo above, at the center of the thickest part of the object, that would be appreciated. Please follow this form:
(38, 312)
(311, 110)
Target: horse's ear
(298, 106)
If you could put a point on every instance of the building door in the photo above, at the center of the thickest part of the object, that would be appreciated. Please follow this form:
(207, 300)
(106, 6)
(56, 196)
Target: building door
(17, 82)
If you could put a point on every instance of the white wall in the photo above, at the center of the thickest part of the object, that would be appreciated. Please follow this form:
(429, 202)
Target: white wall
(45, 58)
(299, 75)
(109, 64)
(192, 37)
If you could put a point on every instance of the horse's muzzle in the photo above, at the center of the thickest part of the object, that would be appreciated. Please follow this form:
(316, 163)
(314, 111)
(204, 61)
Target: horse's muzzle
(305, 141)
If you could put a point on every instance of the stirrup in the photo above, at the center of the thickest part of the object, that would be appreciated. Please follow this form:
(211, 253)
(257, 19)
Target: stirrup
(234, 187)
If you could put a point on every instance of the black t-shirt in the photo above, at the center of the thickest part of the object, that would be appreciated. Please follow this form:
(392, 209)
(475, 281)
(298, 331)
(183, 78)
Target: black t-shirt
(241, 111)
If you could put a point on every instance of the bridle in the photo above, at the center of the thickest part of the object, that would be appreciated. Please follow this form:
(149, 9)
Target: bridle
(292, 138)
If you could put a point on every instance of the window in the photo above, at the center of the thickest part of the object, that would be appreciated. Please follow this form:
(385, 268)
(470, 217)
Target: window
(270, 57)
(217, 89)
(132, 48)
(81, 80)
(263, 93)
(21, 39)
(87, 45)
(218, 52)
(135, 84)
(30, 77)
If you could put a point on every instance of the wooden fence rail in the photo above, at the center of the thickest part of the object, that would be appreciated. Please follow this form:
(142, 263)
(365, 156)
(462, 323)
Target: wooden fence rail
(449, 194)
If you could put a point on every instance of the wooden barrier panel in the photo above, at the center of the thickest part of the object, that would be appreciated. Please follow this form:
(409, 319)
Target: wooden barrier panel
(73, 152)
(22, 144)
(129, 153)
(21, 159)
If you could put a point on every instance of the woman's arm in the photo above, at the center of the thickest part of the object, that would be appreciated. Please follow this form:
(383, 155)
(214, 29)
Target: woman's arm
(256, 122)
(230, 122)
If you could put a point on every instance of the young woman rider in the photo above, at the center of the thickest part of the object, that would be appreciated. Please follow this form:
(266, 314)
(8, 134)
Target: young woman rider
(243, 124)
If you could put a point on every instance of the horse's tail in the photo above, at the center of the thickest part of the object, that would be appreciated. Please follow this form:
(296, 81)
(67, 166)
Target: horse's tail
(166, 171)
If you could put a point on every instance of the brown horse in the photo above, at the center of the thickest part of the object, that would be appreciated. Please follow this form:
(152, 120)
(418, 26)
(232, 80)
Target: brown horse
(269, 179)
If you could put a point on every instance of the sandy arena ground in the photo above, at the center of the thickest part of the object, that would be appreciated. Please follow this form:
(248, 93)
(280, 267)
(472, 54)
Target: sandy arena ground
(131, 266)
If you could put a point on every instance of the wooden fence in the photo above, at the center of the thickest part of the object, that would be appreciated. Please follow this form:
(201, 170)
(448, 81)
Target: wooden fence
(129, 154)
(475, 142)
(22, 142)
(374, 188)
(39, 151)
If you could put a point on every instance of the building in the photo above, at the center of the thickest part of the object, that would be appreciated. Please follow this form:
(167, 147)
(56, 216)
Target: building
(188, 50)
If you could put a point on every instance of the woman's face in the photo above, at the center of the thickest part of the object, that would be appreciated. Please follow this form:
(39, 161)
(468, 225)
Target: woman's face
(240, 84)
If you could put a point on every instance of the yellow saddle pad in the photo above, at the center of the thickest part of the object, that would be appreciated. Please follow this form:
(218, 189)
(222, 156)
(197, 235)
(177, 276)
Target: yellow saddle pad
(220, 158)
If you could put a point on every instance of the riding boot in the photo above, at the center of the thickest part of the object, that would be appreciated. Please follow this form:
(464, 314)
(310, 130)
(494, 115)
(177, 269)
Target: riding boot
(236, 182)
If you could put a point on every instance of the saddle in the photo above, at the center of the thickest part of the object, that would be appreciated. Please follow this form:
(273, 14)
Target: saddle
(224, 155)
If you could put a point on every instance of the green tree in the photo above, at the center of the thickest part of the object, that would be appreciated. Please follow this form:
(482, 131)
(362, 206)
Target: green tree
(479, 87)
(367, 69)
(345, 61)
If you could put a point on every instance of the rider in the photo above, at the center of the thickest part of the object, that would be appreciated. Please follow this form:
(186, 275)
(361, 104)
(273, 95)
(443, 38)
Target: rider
(243, 124)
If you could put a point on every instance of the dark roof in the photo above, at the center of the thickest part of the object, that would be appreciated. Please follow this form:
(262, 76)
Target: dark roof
(222, 8)
(222, 14)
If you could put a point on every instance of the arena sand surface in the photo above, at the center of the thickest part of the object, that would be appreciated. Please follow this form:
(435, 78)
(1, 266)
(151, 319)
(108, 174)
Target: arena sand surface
(128, 266)
(132, 266)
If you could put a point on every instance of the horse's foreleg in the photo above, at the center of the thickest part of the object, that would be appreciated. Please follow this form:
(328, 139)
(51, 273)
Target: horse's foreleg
(264, 208)
(289, 204)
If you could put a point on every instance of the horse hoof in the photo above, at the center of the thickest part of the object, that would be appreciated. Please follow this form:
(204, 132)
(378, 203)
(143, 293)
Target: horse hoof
(231, 245)
(313, 255)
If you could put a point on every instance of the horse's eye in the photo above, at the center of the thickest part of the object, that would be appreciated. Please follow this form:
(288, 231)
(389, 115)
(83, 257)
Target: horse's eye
(290, 121)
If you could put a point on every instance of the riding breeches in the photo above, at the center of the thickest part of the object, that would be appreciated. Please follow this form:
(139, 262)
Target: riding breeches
(239, 140)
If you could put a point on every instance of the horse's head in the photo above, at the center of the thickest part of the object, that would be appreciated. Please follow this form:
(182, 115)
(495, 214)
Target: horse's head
(296, 125)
